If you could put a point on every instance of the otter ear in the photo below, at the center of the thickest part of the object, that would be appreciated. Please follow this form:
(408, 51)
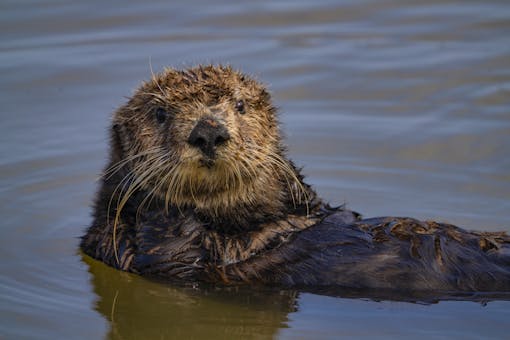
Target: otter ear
(264, 101)
(265, 95)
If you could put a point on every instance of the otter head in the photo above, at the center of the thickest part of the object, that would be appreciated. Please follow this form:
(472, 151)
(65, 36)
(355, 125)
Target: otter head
(206, 138)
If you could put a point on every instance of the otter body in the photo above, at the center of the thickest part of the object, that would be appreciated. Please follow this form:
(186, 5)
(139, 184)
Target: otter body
(198, 188)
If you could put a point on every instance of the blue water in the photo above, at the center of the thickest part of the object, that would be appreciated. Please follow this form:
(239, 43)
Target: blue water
(393, 107)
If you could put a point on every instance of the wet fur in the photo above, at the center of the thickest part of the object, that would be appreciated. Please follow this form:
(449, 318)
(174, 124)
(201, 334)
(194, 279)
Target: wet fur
(250, 218)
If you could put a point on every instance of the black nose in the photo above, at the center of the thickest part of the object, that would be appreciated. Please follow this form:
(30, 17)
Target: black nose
(207, 135)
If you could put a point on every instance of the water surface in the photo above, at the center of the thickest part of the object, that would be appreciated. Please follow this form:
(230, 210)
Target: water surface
(393, 107)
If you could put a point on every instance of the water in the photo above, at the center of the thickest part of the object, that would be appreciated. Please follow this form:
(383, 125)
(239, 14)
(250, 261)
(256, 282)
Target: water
(395, 107)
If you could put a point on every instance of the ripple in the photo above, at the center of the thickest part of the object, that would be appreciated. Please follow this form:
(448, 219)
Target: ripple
(392, 107)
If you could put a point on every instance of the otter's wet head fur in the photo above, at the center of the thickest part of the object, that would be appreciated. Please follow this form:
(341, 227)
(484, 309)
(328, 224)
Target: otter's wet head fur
(198, 188)
(206, 138)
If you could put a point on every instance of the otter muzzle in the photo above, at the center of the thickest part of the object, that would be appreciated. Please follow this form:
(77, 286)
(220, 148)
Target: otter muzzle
(207, 135)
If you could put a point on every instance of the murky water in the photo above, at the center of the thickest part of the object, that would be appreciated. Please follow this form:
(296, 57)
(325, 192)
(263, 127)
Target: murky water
(395, 107)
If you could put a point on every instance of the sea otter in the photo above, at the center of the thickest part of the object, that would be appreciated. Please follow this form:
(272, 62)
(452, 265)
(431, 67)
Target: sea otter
(199, 188)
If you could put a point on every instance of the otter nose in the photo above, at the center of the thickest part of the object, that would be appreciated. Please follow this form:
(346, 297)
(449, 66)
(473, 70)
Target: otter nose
(208, 134)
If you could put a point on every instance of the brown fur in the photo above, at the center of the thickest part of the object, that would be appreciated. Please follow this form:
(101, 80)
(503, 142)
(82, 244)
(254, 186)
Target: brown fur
(244, 214)
(250, 163)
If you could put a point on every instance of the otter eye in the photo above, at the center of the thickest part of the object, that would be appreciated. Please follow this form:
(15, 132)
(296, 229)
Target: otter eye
(161, 115)
(240, 107)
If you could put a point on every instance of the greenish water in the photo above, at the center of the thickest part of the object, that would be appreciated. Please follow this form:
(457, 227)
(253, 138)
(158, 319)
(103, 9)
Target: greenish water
(395, 107)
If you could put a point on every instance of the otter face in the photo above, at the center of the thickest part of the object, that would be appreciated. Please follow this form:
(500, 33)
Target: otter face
(205, 137)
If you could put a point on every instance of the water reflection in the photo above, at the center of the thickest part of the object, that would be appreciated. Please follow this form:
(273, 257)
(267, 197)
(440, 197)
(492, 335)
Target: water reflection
(137, 308)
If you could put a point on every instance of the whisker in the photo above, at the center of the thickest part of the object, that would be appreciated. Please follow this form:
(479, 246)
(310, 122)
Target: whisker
(155, 172)
(154, 76)
(299, 192)
(125, 194)
(110, 171)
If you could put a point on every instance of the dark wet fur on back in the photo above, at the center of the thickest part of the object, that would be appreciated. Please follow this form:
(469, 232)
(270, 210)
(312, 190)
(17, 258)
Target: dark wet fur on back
(227, 206)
